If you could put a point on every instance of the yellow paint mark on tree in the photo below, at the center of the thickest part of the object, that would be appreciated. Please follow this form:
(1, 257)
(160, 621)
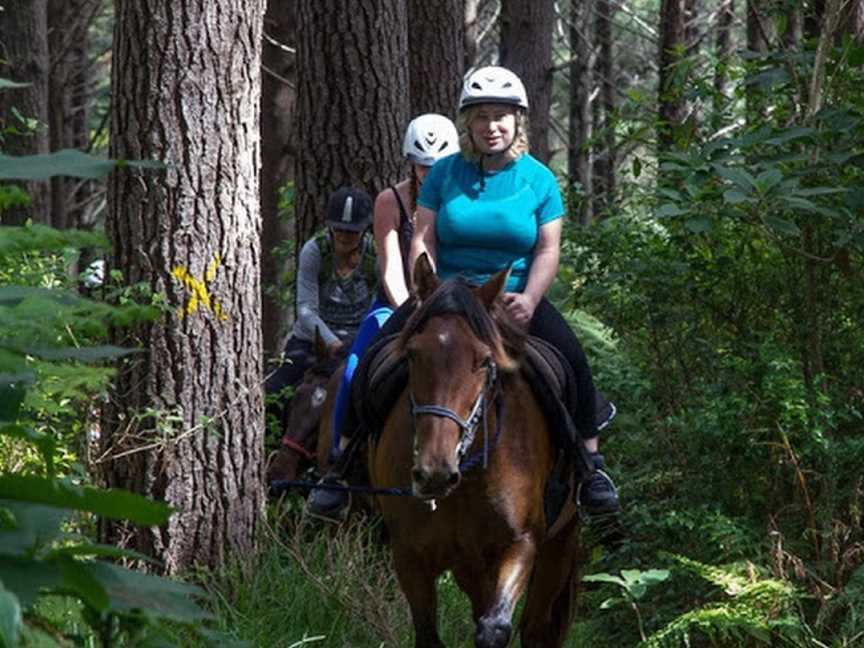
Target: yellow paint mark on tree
(199, 293)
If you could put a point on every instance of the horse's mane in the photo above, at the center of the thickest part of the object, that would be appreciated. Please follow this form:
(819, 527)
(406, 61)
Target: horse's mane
(493, 327)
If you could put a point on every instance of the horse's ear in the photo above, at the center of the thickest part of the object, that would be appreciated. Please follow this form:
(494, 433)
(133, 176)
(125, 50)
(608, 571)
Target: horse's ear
(321, 351)
(424, 277)
(494, 288)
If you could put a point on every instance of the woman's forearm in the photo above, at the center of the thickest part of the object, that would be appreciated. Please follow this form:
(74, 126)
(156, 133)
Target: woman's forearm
(543, 270)
(392, 273)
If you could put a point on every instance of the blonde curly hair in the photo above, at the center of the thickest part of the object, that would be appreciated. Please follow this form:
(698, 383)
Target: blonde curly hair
(466, 143)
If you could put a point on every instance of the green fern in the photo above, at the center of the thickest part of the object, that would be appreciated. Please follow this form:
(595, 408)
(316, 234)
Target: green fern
(758, 610)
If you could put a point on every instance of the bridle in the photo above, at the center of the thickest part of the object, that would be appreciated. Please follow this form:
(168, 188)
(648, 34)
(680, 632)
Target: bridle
(467, 426)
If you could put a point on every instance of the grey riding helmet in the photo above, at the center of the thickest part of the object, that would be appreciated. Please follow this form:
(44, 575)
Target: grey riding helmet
(349, 209)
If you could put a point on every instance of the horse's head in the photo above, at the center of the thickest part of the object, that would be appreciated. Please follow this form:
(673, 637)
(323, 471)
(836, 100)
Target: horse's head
(455, 350)
(310, 395)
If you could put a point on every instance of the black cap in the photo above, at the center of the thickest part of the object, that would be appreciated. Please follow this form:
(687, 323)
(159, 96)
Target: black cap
(349, 209)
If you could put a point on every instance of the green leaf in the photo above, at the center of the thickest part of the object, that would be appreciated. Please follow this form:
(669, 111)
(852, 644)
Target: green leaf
(68, 162)
(669, 209)
(654, 576)
(781, 225)
(78, 578)
(612, 602)
(130, 590)
(699, 225)
(8, 84)
(10, 617)
(768, 179)
(820, 191)
(789, 134)
(605, 578)
(734, 197)
(98, 550)
(35, 526)
(114, 504)
(739, 177)
(27, 578)
(799, 203)
(14, 295)
(637, 167)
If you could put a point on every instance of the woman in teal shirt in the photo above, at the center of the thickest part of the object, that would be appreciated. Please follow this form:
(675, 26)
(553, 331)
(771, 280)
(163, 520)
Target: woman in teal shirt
(494, 206)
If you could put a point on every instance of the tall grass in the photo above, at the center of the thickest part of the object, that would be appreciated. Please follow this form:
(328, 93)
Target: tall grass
(314, 584)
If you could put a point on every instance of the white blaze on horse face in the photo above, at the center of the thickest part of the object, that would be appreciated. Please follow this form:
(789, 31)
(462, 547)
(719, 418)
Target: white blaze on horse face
(444, 339)
(318, 396)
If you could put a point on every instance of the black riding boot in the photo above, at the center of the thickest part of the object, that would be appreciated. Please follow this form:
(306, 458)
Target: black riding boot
(330, 500)
(597, 495)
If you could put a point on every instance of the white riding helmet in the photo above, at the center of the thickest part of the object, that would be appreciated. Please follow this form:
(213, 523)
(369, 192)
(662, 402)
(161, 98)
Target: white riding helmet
(493, 84)
(429, 138)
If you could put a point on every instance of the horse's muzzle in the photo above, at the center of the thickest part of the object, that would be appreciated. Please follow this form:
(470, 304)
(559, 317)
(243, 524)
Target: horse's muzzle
(431, 484)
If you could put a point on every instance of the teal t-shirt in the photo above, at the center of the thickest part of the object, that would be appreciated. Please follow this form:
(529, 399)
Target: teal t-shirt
(484, 227)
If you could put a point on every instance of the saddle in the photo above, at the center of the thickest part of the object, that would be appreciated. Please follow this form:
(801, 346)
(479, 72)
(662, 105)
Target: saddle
(382, 375)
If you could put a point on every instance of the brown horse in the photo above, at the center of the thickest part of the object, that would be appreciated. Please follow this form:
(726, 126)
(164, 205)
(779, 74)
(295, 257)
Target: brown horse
(466, 405)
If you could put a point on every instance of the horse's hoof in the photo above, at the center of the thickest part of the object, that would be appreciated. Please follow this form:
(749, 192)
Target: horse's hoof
(492, 633)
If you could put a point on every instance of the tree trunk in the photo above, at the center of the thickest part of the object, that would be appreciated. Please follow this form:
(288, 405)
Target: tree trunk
(757, 42)
(671, 100)
(724, 46)
(185, 421)
(604, 109)
(853, 20)
(579, 155)
(436, 49)
(24, 58)
(278, 153)
(480, 16)
(526, 48)
(69, 91)
(353, 104)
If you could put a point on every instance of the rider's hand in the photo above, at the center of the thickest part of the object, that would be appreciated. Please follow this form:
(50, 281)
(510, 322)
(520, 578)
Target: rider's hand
(334, 347)
(520, 306)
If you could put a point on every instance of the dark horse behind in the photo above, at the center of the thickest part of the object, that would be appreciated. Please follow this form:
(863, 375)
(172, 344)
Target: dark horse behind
(469, 437)
(303, 414)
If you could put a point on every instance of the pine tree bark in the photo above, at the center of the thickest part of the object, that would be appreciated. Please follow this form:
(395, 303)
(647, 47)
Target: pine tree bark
(24, 58)
(352, 101)
(436, 49)
(579, 132)
(185, 421)
(604, 109)
(278, 153)
(526, 48)
(69, 92)
(671, 100)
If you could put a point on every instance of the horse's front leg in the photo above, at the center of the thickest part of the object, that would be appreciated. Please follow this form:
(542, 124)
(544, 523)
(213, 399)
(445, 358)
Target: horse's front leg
(495, 624)
(418, 584)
